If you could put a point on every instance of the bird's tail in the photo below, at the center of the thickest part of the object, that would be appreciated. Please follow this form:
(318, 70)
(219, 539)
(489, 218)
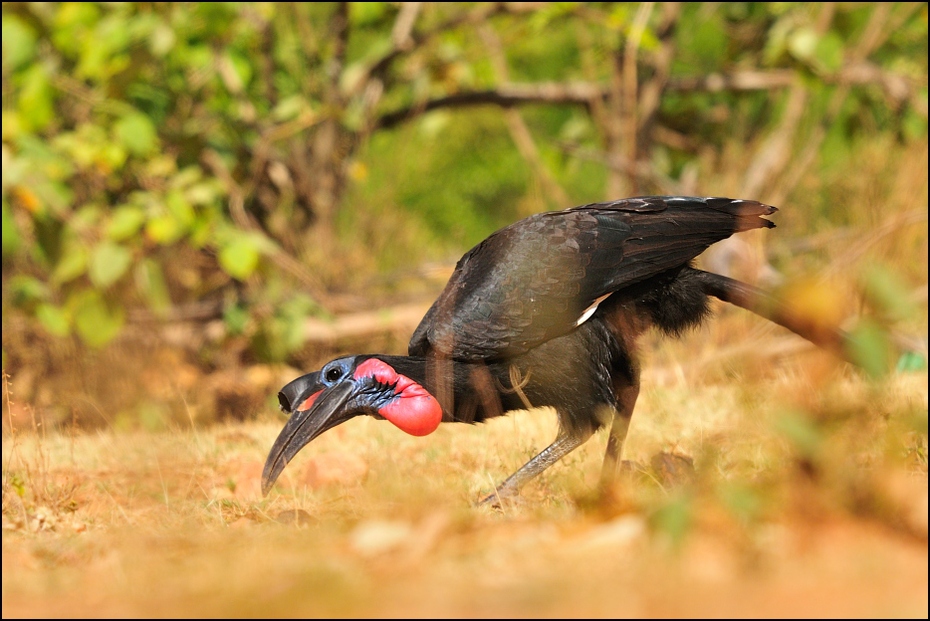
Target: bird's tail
(747, 215)
(766, 305)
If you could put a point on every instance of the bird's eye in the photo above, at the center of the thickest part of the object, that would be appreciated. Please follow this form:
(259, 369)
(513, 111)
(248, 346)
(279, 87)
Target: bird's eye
(333, 374)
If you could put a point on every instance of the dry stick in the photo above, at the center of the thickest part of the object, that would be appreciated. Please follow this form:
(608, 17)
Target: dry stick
(403, 25)
(775, 151)
(744, 80)
(590, 67)
(339, 34)
(650, 93)
(629, 123)
(9, 415)
(612, 128)
(370, 85)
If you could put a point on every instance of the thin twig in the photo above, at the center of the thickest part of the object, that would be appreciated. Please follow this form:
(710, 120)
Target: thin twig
(519, 131)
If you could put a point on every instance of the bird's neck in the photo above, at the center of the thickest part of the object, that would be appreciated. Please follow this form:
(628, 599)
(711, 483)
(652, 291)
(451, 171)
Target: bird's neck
(467, 392)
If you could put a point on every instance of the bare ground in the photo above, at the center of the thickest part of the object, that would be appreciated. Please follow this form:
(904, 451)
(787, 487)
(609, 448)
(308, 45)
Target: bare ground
(369, 522)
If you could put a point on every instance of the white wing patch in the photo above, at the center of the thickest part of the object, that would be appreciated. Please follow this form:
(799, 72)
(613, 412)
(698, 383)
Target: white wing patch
(590, 310)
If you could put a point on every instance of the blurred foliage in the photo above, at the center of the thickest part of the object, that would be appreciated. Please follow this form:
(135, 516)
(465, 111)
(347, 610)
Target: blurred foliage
(246, 162)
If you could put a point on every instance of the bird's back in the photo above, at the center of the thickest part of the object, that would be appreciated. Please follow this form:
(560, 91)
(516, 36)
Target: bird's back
(535, 279)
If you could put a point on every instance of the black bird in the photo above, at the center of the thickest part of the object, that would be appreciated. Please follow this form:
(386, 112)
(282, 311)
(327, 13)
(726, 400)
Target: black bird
(544, 312)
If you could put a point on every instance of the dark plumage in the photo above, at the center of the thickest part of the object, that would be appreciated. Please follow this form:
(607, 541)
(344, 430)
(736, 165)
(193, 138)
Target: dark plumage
(544, 312)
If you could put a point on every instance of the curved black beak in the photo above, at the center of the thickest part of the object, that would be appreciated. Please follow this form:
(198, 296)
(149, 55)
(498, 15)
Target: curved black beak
(326, 412)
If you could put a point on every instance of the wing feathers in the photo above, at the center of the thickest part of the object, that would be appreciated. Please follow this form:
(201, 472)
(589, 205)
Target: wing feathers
(535, 279)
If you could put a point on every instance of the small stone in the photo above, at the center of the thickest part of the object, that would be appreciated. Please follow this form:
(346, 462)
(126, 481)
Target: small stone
(672, 469)
(294, 517)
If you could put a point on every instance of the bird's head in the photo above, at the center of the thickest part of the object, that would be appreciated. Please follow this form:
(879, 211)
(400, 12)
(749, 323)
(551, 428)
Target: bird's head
(345, 388)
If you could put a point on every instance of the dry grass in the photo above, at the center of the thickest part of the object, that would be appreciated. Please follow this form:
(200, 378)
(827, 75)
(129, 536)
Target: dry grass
(369, 522)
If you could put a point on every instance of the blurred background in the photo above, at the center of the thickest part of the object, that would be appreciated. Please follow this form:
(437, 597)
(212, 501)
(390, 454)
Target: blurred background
(202, 200)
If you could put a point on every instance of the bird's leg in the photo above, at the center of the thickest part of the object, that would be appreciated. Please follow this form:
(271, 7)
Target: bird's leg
(564, 444)
(626, 400)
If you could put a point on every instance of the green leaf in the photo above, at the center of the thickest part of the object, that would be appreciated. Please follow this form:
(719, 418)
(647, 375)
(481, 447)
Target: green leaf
(19, 42)
(914, 124)
(125, 222)
(802, 43)
(236, 319)
(162, 40)
(203, 193)
(239, 257)
(71, 264)
(97, 323)
(911, 361)
(36, 98)
(180, 208)
(367, 13)
(188, 175)
(26, 290)
(54, 319)
(137, 133)
(242, 67)
(109, 263)
(710, 42)
(164, 229)
(150, 279)
(290, 108)
(829, 52)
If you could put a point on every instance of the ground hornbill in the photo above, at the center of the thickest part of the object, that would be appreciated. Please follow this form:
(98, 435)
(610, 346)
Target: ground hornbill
(544, 312)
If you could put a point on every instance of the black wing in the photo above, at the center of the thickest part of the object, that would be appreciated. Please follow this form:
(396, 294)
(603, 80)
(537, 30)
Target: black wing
(533, 280)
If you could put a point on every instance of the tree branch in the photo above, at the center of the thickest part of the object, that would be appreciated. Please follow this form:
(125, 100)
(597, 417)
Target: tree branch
(504, 96)
(737, 81)
(584, 93)
(629, 117)
(339, 28)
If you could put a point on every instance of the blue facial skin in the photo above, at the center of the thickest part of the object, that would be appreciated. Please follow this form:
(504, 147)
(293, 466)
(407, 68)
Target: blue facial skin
(337, 370)
(370, 393)
(334, 372)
